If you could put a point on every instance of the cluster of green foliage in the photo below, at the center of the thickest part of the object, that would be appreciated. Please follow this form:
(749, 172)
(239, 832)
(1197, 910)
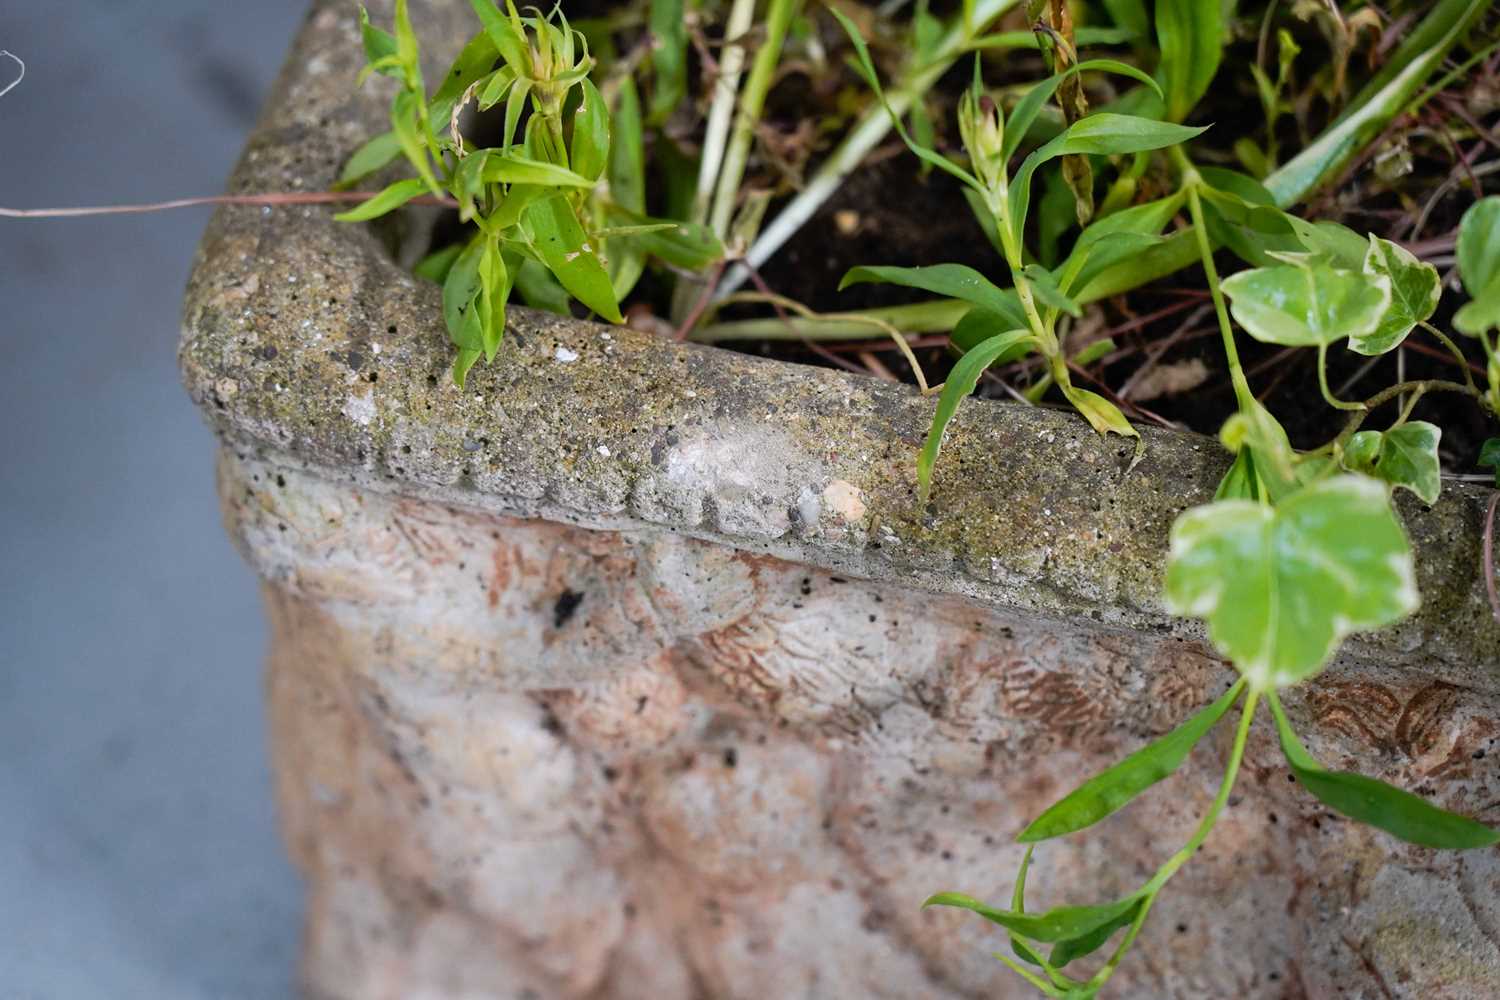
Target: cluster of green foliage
(1298, 549)
(558, 204)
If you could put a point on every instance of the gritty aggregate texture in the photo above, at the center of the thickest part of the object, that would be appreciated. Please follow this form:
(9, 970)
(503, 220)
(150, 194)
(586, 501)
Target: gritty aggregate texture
(302, 335)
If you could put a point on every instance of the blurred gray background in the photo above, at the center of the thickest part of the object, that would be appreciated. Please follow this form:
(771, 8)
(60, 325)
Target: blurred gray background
(138, 850)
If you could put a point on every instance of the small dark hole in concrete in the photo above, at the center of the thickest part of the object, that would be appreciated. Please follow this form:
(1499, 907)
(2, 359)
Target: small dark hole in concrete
(566, 606)
(731, 757)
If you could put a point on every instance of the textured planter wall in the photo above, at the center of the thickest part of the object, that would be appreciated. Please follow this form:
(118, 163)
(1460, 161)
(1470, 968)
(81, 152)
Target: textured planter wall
(636, 670)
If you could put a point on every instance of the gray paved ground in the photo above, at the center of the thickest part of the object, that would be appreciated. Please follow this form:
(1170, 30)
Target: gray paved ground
(138, 854)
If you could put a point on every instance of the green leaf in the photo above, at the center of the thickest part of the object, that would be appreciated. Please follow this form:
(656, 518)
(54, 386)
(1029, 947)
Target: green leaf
(508, 36)
(668, 56)
(866, 68)
(1104, 416)
(1110, 789)
(406, 111)
(1415, 290)
(391, 198)
(1404, 456)
(961, 382)
(1479, 266)
(957, 281)
(540, 290)
(627, 158)
(1489, 457)
(1342, 246)
(1044, 286)
(472, 64)
(1101, 134)
(1191, 36)
(513, 168)
(460, 293)
(1027, 108)
(1382, 806)
(590, 149)
(1306, 306)
(563, 246)
(462, 362)
(369, 158)
(380, 45)
(980, 324)
(436, 265)
(1062, 923)
(627, 187)
(1255, 431)
(687, 245)
(1086, 944)
(1281, 587)
(494, 292)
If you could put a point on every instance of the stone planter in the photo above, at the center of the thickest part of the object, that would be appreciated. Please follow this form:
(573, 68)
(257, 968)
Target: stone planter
(635, 669)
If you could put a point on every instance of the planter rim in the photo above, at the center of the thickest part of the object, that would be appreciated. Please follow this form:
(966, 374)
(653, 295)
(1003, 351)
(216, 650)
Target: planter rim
(303, 338)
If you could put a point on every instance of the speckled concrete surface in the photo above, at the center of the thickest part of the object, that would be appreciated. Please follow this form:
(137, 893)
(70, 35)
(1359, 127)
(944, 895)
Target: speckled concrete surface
(138, 858)
(583, 685)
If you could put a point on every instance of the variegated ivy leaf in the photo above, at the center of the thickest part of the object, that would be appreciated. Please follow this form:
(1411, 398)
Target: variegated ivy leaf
(1479, 266)
(1310, 304)
(1415, 290)
(1281, 586)
(1402, 456)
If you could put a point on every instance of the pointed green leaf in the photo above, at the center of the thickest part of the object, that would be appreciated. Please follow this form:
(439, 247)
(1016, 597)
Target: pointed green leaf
(369, 158)
(472, 65)
(1382, 806)
(1100, 134)
(668, 56)
(1338, 245)
(507, 35)
(460, 293)
(1306, 306)
(960, 383)
(682, 244)
(1086, 944)
(1489, 457)
(956, 281)
(978, 325)
(1191, 37)
(1280, 587)
(1104, 416)
(1404, 456)
(1415, 290)
(563, 246)
(1062, 923)
(380, 45)
(1110, 789)
(436, 265)
(1044, 286)
(1479, 266)
(513, 168)
(391, 198)
(540, 290)
(589, 151)
(1027, 108)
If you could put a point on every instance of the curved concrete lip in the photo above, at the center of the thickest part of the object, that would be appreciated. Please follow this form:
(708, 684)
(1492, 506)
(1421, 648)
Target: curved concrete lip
(304, 339)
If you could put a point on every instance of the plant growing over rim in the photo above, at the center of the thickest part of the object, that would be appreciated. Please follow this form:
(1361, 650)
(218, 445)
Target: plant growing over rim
(1298, 549)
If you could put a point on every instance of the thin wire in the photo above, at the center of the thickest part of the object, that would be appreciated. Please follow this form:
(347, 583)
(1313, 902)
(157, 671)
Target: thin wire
(17, 81)
(283, 198)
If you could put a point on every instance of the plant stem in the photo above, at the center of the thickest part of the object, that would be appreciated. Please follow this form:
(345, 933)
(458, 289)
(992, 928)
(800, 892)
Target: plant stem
(752, 100)
(935, 316)
(1463, 362)
(1328, 396)
(1191, 180)
(867, 133)
(1391, 392)
(1176, 861)
(720, 113)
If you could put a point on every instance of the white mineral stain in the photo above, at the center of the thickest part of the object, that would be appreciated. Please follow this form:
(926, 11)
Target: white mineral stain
(360, 408)
(564, 355)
